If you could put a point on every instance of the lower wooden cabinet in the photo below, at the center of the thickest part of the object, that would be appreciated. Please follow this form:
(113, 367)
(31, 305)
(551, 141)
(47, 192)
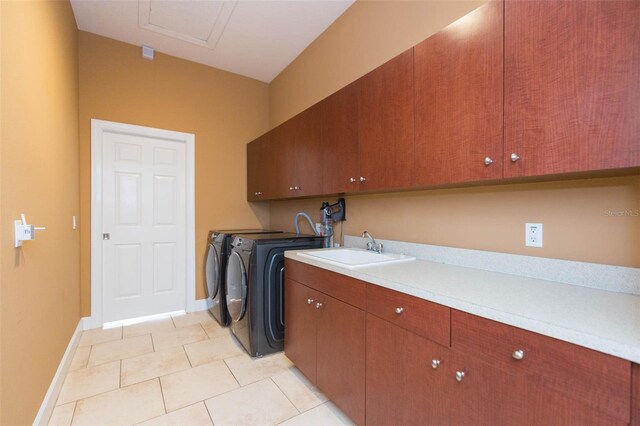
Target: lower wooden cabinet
(325, 339)
(406, 378)
(395, 369)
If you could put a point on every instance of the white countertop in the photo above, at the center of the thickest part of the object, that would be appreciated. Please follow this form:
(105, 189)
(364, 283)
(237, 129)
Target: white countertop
(605, 321)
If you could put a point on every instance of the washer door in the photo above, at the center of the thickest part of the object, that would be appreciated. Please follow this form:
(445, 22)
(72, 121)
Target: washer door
(212, 271)
(236, 287)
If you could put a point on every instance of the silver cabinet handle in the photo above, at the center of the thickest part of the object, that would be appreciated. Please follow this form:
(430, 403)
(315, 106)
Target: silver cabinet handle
(259, 193)
(291, 188)
(435, 363)
(518, 354)
(309, 301)
(362, 178)
(514, 157)
(319, 305)
(488, 161)
(297, 188)
(399, 310)
(352, 180)
(459, 375)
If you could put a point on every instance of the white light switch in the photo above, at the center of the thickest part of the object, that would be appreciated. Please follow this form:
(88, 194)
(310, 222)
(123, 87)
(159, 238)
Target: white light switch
(533, 235)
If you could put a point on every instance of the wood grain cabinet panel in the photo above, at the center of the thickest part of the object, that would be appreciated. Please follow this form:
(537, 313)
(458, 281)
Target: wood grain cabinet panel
(575, 378)
(571, 86)
(485, 395)
(635, 395)
(298, 147)
(458, 100)
(402, 386)
(341, 356)
(340, 141)
(255, 173)
(301, 327)
(420, 316)
(385, 125)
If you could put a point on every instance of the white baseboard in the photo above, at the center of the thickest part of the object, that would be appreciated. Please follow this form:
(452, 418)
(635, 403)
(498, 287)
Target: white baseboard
(50, 398)
(89, 323)
(200, 305)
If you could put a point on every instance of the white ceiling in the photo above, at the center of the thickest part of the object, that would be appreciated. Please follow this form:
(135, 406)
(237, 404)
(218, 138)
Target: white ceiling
(254, 38)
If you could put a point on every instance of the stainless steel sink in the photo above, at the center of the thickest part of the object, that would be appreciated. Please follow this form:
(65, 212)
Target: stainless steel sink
(353, 258)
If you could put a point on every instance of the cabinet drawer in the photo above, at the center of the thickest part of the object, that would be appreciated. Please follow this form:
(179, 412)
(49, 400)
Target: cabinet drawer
(341, 287)
(597, 380)
(420, 316)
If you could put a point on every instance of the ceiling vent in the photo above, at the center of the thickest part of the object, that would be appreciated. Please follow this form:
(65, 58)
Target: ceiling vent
(199, 22)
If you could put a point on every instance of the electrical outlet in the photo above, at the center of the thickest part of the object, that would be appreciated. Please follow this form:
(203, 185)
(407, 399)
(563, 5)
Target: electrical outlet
(533, 235)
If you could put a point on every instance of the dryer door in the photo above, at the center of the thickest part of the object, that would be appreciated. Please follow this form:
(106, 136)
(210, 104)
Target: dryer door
(212, 271)
(236, 287)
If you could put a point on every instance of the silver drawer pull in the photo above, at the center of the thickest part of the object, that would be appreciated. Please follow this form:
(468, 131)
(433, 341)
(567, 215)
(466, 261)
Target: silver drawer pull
(459, 375)
(309, 301)
(399, 310)
(514, 157)
(319, 305)
(435, 363)
(518, 354)
(488, 161)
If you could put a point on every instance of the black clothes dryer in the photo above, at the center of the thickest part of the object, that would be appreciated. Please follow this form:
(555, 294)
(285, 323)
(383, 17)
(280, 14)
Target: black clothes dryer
(255, 288)
(215, 267)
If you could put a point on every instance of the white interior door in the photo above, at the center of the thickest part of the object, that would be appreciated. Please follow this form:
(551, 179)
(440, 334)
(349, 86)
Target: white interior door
(143, 224)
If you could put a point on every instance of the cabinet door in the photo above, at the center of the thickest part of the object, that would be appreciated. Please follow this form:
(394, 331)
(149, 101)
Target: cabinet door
(340, 141)
(486, 395)
(280, 160)
(260, 169)
(300, 318)
(402, 386)
(571, 86)
(385, 125)
(307, 175)
(341, 356)
(458, 90)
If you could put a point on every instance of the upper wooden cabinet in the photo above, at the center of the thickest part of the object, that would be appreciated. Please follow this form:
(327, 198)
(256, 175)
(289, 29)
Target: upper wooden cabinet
(572, 86)
(385, 125)
(298, 144)
(255, 191)
(458, 100)
(340, 141)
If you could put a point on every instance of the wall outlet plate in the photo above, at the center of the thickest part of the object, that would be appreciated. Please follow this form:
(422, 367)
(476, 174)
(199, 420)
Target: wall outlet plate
(533, 235)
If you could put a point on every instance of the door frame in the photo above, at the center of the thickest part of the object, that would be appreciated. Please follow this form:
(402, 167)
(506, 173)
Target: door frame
(98, 127)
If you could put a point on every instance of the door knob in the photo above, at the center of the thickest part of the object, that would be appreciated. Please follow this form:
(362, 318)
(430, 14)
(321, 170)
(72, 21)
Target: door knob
(106, 237)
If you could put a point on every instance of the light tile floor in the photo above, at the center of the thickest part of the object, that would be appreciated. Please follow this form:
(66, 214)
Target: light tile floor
(184, 370)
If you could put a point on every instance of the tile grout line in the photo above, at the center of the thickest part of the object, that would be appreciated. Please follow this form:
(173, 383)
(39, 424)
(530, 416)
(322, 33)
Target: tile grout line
(164, 403)
(286, 396)
(187, 355)
(75, 406)
(206, 407)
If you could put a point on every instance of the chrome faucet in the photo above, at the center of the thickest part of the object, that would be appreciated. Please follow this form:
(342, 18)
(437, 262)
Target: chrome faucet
(372, 245)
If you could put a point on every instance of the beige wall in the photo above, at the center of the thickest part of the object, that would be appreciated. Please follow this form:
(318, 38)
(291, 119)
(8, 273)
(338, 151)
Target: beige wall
(367, 35)
(39, 177)
(223, 110)
(576, 225)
